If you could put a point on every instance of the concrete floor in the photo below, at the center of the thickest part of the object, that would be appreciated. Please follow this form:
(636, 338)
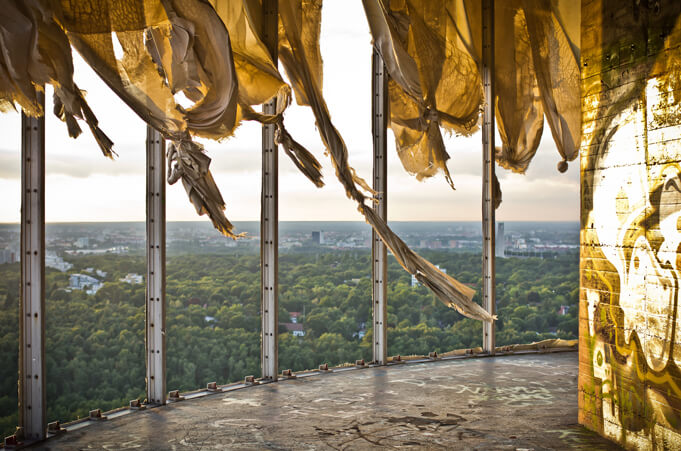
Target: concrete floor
(511, 402)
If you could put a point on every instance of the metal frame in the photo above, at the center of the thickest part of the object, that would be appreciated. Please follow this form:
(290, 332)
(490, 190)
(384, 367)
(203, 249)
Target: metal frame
(488, 213)
(32, 392)
(32, 416)
(379, 253)
(269, 214)
(156, 269)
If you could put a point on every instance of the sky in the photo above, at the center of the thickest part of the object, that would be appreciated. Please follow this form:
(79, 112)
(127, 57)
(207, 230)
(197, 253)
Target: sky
(82, 185)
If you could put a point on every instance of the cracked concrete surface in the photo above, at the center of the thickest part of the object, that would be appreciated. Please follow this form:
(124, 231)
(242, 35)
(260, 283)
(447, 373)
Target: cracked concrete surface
(506, 403)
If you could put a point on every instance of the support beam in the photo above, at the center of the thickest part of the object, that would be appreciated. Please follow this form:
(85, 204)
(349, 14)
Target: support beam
(269, 214)
(488, 213)
(156, 269)
(379, 253)
(32, 421)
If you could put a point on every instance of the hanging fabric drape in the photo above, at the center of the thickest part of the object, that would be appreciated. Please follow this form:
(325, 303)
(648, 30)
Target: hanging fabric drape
(433, 81)
(35, 52)
(430, 45)
(197, 68)
(554, 38)
(301, 25)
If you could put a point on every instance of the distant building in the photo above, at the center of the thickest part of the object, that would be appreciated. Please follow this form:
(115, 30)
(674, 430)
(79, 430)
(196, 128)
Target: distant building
(7, 256)
(56, 262)
(500, 242)
(133, 279)
(82, 242)
(316, 237)
(520, 243)
(563, 309)
(295, 328)
(294, 317)
(84, 282)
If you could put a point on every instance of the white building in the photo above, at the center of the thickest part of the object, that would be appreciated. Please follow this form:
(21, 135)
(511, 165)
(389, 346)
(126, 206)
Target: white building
(133, 279)
(82, 242)
(296, 329)
(52, 260)
(83, 281)
(500, 242)
(7, 256)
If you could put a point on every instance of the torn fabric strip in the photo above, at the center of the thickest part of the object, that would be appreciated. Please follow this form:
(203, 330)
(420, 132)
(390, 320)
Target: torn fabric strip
(294, 53)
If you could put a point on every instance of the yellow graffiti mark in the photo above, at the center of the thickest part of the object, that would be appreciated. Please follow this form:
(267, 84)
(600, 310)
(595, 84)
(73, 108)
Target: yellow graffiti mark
(630, 349)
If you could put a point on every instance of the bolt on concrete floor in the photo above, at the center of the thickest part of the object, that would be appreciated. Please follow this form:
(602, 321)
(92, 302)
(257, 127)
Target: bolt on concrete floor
(501, 403)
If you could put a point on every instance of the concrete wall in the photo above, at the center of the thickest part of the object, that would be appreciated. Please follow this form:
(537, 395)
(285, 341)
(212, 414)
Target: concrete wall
(630, 318)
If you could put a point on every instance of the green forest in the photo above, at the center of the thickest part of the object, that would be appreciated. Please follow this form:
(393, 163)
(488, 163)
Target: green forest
(95, 343)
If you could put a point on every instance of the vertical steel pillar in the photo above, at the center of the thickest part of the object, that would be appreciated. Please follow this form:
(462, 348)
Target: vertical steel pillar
(488, 213)
(32, 421)
(269, 214)
(156, 269)
(379, 254)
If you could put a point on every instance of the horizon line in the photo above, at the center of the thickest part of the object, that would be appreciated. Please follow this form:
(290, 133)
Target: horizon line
(295, 220)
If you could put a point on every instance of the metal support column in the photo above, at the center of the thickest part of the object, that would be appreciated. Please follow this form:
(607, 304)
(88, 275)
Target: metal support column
(156, 269)
(379, 253)
(269, 214)
(32, 421)
(488, 213)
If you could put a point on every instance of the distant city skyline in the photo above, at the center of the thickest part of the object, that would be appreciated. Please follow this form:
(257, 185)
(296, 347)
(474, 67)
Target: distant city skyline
(62, 240)
(83, 186)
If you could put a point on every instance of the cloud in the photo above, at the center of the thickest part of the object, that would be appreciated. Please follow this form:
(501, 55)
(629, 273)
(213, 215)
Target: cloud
(10, 164)
(70, 165)
(76, 166)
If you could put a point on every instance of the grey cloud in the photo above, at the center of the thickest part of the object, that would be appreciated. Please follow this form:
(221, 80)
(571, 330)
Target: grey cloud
(9, 164)
(71, 166)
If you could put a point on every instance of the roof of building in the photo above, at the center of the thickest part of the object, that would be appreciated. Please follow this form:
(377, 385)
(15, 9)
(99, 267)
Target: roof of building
(512, 402)
(293, 327)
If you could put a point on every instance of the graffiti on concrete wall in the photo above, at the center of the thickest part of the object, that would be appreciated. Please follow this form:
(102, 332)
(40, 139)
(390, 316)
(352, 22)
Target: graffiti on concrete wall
(630, 318)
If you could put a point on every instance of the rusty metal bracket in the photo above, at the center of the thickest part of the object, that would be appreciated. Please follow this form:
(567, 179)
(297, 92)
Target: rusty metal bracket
(250, 380)
(54, 428)
(174, 396)
(96, 415)
(288, 374)
(136, 404)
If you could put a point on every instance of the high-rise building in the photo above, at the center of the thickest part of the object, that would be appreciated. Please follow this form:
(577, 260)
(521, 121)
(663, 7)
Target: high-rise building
(7, 256)
(500, 243)
(316, 236)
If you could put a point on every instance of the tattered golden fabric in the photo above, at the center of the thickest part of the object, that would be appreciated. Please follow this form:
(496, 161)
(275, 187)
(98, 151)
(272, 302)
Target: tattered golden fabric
(556, 59)
(182, 48)
(433, 83)
(518, 109)
(259, 79)
(35, 51)
(430, 45)
(149, 80)
(197, 68)
(294, 51)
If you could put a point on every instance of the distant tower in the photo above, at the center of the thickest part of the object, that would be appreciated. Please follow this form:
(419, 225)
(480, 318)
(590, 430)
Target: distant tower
(500, 243)
(316, 237)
